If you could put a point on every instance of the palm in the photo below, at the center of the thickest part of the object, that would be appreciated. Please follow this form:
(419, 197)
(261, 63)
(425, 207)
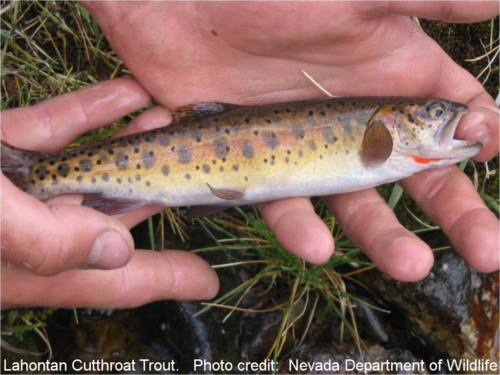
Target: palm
(250, 53)
(254, 53)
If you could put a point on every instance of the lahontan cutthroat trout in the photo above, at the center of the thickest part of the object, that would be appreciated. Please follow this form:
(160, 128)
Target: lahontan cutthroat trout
(217, 155)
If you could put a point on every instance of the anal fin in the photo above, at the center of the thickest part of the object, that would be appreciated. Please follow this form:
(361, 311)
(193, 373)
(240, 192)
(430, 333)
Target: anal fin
(110, 206)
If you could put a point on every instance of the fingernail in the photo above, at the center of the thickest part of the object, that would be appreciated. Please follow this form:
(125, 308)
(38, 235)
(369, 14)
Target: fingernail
(110, 251)
(480, 133)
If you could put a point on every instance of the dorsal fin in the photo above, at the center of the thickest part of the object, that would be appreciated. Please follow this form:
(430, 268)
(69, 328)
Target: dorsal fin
(190, 112)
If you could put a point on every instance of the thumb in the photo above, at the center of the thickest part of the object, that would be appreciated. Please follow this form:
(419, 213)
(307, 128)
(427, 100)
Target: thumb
(49, 240)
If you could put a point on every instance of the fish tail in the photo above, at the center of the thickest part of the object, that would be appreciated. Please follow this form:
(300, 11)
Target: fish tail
(16, 164)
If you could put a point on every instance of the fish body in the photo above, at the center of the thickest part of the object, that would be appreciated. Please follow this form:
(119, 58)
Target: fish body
(218, 154)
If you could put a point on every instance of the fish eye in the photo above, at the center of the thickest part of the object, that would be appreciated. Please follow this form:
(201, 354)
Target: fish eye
(436, 110)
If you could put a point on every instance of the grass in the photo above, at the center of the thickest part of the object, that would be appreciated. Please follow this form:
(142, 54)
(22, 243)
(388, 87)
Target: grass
(49, 48)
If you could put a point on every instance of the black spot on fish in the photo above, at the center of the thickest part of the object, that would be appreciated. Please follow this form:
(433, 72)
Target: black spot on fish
(184, 155)
(130, 180)
(148, 184)
(312, 145)
(62, 169)
(76, 169)
(86, 165)
(322, 113)
(164, 141)
(246, 178)
(328, 134)
(138, 166)
(235, 168)
(165, 169)
(311, 113)
(256, 132)
(346, 125)
(287, 110)
(90, 154)
(121, 161)
(247, 120)
(287, 160)
(182, 131)
(248, 150)
(188, 176)
(268, 121)
(220, 145)
(206, 168)
(79, 179)
(298, 131)
(138, 177)
(148, 159)
(328, 105)
(149, 139)
(93, 180)
(221, 169)
(111, 152)
(105, 177)
(136, 150)
(52, 162)
(98, 162)
(301, 153)
(227, 131)
(354, 104)
(347, 152)
(271, 140)
(119, 180)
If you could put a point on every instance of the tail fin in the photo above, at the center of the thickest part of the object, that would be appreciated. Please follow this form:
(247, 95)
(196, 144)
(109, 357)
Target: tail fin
(16, 163)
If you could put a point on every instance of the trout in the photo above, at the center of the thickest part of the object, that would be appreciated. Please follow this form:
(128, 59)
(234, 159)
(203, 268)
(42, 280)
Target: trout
(216, 155)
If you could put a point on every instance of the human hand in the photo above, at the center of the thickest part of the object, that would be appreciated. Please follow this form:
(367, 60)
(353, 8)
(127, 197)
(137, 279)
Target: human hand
(250, 53)
(60, 253)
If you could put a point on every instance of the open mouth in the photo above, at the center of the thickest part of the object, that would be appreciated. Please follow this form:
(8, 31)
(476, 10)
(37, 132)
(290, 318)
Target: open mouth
(446, 132)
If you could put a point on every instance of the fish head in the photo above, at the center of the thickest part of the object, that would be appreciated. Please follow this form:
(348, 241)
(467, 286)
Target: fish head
(422, 131)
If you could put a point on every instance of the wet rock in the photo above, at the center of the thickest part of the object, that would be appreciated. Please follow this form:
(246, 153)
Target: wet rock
(455, 309)
(346, 359)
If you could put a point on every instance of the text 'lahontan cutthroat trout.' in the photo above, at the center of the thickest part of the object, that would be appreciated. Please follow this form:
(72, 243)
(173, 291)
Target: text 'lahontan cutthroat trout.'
(217, 155)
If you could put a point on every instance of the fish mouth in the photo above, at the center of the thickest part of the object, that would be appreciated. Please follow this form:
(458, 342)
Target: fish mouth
(455, 148)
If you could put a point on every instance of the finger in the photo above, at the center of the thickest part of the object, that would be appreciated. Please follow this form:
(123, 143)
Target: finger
(150, 276)
(370, 223)
(152, 118)
(481, 124)
(448, 197)
(53, 123)
(298, 229)
(48, 240)
(448, 11)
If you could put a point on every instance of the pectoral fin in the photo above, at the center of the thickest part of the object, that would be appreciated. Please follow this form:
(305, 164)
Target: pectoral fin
(377, 144)
(226, 194)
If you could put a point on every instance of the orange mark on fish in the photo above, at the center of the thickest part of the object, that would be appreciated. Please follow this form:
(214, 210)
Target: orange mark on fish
(420, 160)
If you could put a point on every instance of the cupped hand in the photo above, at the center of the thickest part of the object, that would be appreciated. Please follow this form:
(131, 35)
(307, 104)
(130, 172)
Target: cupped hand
(60, 253)
(250, 53)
